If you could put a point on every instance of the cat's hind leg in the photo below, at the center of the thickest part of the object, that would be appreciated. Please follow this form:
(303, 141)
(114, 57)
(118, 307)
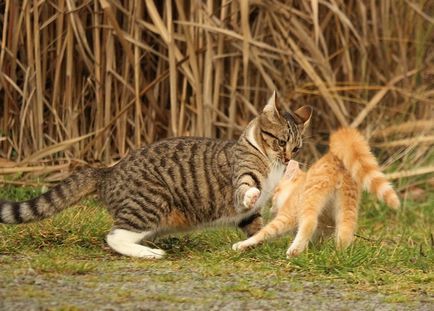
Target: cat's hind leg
(347, 200)
(126, 242)
(134, 221)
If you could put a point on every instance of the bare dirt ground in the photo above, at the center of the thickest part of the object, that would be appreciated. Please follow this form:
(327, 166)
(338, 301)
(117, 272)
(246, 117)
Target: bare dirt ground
(134, 288)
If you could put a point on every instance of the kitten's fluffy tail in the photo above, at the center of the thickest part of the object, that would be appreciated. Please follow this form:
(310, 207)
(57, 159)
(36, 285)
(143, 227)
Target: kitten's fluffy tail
(68, 192)
(353, 150)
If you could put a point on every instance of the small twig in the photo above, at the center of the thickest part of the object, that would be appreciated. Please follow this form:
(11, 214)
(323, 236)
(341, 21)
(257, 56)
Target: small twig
(365, 238)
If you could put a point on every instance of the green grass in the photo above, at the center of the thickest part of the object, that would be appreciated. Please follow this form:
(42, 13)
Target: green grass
(393, 255)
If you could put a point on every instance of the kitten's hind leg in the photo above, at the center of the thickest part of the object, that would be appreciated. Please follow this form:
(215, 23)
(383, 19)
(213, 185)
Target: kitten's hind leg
(310, 208)
(348, 198)
(126, 242)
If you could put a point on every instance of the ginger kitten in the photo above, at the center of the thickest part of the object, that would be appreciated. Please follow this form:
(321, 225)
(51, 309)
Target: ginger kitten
(327, 195)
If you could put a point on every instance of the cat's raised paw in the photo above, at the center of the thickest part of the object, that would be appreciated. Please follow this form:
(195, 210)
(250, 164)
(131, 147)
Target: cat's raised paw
(251, 196)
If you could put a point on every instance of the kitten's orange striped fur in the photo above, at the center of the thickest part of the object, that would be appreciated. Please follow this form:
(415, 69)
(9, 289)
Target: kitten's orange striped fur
(327, 195)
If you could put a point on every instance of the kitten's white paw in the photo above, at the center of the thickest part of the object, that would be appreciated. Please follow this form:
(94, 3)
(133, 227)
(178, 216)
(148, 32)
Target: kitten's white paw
(243, 245)
(344, 240)
(239, 246)
(250, 197)
(294, 250)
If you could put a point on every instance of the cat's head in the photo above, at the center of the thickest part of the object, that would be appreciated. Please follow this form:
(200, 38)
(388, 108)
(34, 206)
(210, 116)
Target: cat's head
(278, 133)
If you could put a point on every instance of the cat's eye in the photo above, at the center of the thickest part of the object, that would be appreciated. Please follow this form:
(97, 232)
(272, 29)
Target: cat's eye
(295, 150)
(281, 143)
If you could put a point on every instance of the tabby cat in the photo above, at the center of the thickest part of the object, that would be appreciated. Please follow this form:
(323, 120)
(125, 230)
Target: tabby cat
(179, 183)
(327, 196)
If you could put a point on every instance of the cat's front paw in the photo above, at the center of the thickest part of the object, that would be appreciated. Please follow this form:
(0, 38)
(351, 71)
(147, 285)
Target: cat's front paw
(250, 197)
(243, 245)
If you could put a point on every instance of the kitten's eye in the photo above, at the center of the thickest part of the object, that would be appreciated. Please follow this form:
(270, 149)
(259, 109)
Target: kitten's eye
(295, 150)
(281, 143)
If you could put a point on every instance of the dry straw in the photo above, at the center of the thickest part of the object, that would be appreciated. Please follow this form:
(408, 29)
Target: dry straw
(90, 80)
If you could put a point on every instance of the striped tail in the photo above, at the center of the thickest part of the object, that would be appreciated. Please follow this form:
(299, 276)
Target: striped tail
(353, 150)
(68, 192)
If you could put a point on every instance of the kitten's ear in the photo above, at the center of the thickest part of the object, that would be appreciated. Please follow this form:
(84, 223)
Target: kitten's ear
(292, 169)
(303, 115)
(273, 106)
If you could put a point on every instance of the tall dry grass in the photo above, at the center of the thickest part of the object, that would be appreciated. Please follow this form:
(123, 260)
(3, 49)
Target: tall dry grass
(89, 80)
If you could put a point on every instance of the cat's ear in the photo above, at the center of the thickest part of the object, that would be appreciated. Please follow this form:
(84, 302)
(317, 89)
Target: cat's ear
(273, 106)
(303, 116)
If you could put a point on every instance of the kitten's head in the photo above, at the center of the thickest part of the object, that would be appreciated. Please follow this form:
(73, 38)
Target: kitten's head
(277, 133)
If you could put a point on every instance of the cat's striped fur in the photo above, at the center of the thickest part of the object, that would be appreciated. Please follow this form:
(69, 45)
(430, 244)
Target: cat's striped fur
(178, 183)
(327, 196)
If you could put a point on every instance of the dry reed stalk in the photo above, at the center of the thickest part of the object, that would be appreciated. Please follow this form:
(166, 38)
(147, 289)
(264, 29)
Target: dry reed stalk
(407, 142)
(410, 173)
(405, 128)
(39, 105)
(137, 79)
(53, 168)
(91, 81)
(172, 71)
(375, 100)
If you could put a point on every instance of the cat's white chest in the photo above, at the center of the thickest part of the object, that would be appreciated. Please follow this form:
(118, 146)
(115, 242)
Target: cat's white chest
(274, 177)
